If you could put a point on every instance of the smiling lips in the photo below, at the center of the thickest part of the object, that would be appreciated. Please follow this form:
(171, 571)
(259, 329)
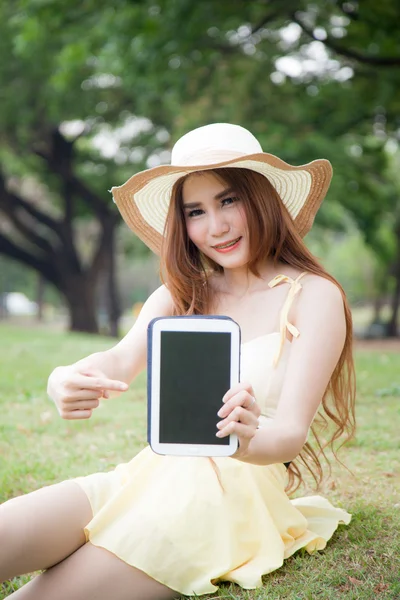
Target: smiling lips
(228, 246)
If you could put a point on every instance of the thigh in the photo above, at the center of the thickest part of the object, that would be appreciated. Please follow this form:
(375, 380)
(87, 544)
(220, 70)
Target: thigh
(42, 528)
(92, 573)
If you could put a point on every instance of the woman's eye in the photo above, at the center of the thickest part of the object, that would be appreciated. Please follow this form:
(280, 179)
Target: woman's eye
(194, 213)
(227, 201)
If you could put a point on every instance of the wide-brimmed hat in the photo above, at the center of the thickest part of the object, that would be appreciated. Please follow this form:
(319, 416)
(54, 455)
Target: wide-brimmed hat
(144, 199)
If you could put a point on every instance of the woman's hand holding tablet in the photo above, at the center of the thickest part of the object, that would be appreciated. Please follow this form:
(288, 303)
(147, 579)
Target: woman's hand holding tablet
(193, 362)
(239, 415)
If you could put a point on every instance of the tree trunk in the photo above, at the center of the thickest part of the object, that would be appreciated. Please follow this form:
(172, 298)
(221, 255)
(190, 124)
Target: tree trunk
(3, 309)
(79, 295)
(41, 284)
(112, 296)
(377, 309)
(51, 249)
(380, 284)
(392, 330)
(392, 324)
(3, 289)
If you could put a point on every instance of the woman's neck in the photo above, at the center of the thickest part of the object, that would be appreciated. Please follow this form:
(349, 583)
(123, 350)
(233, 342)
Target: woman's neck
(242, 282)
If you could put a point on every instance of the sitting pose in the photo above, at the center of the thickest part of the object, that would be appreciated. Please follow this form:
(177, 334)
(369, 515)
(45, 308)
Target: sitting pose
(228, 221)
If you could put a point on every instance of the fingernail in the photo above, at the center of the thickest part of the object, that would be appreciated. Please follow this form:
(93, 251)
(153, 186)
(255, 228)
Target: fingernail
(219, 434)
(220, 412)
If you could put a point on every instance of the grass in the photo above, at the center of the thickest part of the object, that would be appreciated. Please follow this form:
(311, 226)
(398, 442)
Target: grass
(38, 448)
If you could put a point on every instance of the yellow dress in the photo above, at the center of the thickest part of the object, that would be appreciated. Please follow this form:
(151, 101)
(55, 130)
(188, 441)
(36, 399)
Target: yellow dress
(174, 519)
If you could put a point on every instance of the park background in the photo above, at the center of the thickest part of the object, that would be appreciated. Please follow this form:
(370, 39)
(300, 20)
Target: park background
(92, 92)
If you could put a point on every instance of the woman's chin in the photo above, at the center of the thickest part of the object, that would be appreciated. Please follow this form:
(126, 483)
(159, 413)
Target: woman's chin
(231, 261)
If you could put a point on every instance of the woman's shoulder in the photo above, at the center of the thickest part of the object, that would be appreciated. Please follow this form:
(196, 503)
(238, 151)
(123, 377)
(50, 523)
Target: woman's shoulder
(319, 296)
(290, 275)
(319, 284)
(161, 301)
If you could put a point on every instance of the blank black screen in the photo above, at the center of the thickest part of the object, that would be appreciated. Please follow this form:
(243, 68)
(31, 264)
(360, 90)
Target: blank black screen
(195, 375)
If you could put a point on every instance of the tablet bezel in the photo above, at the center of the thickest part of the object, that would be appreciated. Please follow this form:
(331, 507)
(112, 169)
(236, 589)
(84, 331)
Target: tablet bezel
(212, 323)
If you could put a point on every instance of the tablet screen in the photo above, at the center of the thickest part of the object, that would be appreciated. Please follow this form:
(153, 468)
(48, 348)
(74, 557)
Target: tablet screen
(194, 377)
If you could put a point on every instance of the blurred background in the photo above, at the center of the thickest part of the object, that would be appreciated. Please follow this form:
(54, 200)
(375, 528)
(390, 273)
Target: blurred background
(92, 92)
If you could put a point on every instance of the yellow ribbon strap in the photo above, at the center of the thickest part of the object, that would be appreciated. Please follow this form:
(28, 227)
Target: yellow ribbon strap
(295, 287)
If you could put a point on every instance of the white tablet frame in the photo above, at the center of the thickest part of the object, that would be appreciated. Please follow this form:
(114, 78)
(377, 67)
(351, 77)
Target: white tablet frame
(209, 323)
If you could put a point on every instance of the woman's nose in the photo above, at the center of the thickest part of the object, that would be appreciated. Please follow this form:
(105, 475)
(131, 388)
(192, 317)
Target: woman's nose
(218, 224)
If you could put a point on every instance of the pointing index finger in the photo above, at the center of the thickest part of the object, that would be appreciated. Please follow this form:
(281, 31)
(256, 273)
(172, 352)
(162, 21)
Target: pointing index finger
(99, 383)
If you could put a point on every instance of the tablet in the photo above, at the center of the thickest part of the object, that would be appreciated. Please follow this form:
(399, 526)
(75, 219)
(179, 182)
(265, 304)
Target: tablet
(192, 362)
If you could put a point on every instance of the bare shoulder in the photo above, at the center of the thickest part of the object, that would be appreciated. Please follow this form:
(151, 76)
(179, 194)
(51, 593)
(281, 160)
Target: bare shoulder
(320, 286)
(320, 301)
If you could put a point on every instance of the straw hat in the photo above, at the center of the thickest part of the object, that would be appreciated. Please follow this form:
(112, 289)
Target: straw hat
(144, 199)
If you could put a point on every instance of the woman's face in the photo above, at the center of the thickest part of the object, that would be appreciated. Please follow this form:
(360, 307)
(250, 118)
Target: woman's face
(215, 220)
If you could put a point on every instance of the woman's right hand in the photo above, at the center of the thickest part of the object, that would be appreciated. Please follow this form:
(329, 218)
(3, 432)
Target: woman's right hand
(76, 391)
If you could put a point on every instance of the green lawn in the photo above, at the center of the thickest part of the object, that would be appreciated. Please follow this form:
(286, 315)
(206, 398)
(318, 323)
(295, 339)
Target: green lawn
(362, 561)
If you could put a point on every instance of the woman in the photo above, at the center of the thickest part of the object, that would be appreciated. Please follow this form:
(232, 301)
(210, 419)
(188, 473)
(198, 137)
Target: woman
(228, 220)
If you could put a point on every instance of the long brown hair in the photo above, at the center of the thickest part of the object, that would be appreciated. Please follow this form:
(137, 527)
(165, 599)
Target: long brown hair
(272, 235)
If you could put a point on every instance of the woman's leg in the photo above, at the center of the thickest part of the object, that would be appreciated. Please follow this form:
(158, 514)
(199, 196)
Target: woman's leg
(92, 573)
(40, 529)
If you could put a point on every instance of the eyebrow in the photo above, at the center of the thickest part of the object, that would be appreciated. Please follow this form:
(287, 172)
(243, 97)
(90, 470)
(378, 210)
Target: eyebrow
(216, 197)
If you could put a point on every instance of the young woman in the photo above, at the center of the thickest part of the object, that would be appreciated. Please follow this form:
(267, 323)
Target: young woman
(228, 220)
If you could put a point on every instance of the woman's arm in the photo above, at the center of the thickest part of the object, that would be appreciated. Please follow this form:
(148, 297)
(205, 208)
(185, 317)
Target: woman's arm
(76, 389)
(312, 360)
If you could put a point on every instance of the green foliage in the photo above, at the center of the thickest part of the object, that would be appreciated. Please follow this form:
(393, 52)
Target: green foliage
(360, 276)
(181, 64)
(394, 390)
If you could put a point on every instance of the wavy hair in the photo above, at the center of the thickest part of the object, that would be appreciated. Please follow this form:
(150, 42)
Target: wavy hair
(272, 235)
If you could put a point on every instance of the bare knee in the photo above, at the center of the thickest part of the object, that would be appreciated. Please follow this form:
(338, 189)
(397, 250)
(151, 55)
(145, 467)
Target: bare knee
(8, 546)
(5, 526)
(42, 528)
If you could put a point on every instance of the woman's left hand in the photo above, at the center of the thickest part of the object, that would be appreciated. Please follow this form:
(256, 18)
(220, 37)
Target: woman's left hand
(239, 415)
